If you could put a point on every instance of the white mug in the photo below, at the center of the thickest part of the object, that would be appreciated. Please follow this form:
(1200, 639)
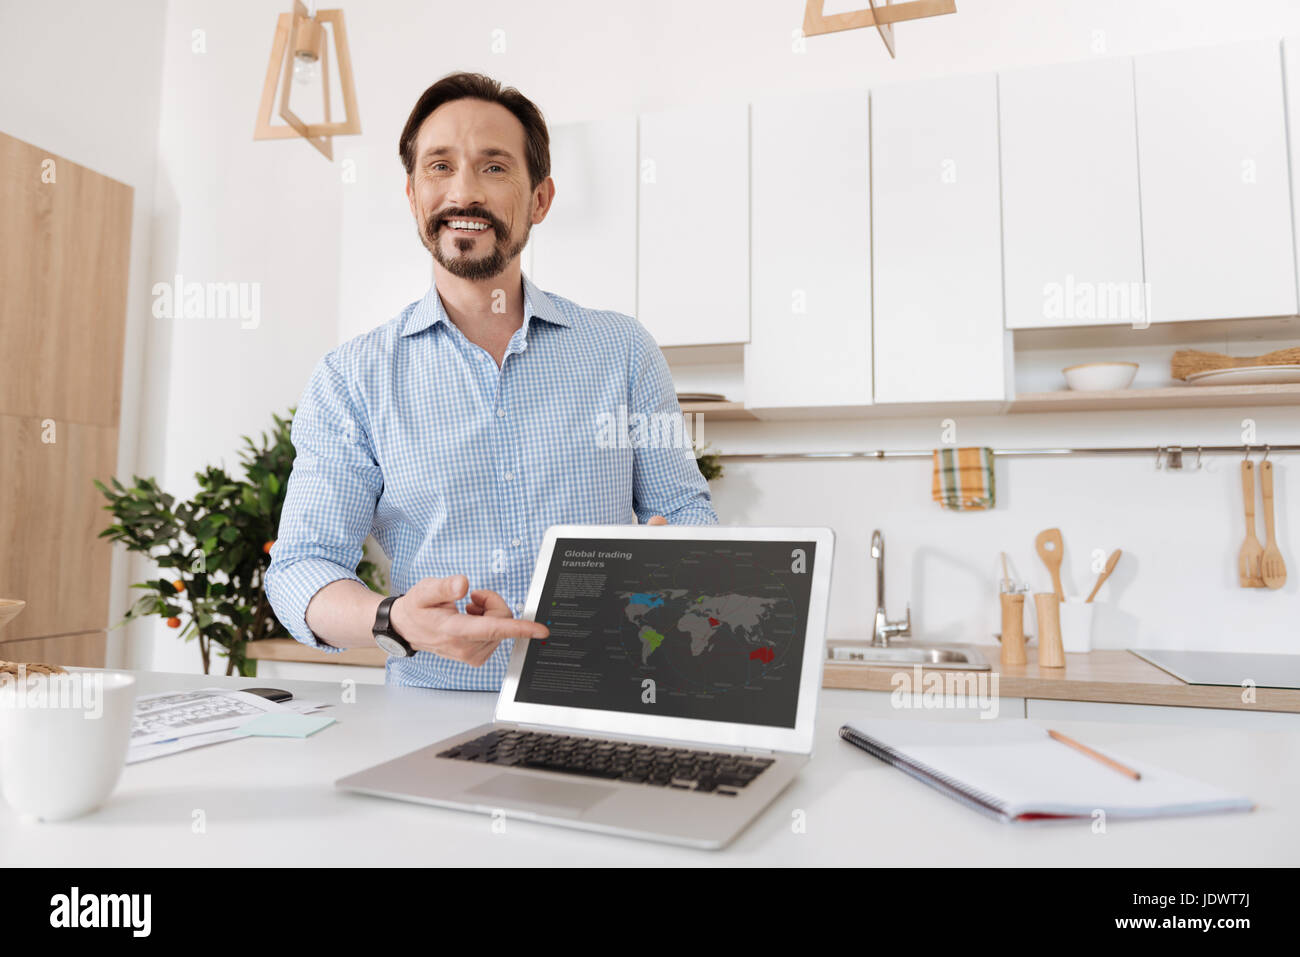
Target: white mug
(1076, 624)
(63, 740)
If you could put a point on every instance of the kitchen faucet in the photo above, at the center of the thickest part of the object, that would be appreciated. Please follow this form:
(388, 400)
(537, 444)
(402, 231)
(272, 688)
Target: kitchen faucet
(884, 629)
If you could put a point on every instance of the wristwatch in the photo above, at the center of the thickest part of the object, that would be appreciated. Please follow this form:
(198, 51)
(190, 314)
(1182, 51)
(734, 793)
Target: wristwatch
(385, 636)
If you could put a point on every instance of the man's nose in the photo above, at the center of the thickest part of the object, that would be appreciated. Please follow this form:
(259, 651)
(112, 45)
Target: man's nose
(465, 187)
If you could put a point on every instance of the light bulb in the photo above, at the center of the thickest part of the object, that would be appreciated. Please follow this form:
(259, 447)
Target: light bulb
(306, 69)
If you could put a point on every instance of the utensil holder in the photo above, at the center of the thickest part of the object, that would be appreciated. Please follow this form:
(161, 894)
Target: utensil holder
(1076, 625)
(1051, 654)
(1013, 628)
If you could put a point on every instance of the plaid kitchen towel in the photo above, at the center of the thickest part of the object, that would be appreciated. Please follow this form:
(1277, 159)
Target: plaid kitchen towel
(963, 479)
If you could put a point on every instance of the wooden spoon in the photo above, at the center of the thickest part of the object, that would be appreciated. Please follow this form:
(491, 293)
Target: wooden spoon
(1271, 563)
(1251, 550)
(1050, 547)
(1105, 572)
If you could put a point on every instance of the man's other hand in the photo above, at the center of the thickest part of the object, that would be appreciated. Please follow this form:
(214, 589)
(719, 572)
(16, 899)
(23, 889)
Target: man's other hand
(427, 617)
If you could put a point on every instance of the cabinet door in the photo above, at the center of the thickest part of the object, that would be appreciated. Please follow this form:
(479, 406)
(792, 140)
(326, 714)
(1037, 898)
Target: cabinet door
(1291, 70)
(1071, 226)
(1216, 204)
(936, 242)
(585, 249)
(693, 255)
(810, 301)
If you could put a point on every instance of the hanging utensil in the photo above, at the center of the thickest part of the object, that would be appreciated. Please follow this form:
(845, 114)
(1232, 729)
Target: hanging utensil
(1272, 567)
(1050, 548)
(1248, 560)
(1105, 572)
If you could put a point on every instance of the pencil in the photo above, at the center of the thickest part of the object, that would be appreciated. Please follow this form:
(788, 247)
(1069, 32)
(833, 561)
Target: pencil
(1096, 756)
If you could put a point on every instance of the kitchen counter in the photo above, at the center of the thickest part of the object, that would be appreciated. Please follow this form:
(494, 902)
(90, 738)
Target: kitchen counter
(1114, 676)
(265, 801)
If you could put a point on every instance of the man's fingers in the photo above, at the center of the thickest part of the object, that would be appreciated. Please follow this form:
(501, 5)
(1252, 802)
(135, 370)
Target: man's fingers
(488, 601)
(440, 591)
(492, 628)
(657, 520)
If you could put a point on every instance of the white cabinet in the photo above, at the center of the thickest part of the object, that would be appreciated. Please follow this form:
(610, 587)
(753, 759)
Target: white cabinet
(1071, 226)
(936, 242)
(1216, 203)
(810, 235)
(1291, 70)
(585, 249)
(693, 225)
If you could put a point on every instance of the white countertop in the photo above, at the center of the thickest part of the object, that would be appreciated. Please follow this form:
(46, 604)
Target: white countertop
(272, 801)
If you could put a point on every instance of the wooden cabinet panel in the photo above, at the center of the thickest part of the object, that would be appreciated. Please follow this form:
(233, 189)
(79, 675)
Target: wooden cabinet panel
(693, 225)
(1071, 217)
(1216, 201)
(50, 517)
(810, 300)
(936, 242)
(585, 249)
(67, 248)
(85, 650)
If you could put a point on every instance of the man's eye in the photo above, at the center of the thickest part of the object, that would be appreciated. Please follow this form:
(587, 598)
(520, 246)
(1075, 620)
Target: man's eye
(496, 166)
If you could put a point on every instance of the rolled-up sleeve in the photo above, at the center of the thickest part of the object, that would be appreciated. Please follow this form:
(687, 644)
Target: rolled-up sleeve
(329, 506)
(665, 477)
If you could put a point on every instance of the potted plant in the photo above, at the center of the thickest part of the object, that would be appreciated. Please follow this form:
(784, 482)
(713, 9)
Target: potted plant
(217, 547)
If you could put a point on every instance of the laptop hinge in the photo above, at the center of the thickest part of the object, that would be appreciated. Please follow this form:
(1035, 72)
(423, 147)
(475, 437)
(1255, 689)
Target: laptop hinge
(632, 737)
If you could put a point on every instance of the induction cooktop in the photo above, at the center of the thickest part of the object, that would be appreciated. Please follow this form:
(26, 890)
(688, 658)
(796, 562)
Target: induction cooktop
(1227, 667)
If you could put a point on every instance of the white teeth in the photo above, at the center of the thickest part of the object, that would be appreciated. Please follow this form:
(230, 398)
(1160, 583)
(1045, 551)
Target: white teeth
(464, 224)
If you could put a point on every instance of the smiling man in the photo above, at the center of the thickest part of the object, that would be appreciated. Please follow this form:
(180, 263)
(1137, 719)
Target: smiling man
(461, 429)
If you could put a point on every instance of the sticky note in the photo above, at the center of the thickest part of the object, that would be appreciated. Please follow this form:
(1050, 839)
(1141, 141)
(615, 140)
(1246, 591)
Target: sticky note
(284, 725)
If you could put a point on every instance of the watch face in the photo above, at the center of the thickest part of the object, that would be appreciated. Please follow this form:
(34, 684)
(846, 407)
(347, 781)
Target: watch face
(392, 646)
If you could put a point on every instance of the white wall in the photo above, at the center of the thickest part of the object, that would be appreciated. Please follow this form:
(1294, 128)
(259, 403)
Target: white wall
(82, 79)
(335, 258)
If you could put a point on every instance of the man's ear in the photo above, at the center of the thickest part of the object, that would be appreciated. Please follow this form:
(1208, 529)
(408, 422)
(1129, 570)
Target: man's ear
(543, 196)
(410, 197)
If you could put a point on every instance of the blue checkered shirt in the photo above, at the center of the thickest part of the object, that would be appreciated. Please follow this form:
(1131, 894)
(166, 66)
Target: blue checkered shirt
(412, 433)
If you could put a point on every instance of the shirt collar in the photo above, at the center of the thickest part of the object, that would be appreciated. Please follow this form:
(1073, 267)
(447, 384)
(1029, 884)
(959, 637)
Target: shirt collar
(430, 311)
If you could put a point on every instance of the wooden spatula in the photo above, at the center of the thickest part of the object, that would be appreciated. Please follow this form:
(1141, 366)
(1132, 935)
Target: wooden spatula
(1252, 551)
(1272, 567)
(1105, 572)
(1050, 547)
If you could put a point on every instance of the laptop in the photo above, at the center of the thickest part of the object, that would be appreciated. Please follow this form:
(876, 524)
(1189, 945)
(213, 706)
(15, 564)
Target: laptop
(673, 700)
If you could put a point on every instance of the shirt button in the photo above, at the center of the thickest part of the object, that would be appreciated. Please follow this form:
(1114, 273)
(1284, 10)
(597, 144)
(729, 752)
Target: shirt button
(501, 413)
(519, 609)
(509, 476)
(514, 542)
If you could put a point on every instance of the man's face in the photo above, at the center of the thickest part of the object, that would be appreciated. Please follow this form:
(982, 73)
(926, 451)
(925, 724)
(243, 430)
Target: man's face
(469, 189)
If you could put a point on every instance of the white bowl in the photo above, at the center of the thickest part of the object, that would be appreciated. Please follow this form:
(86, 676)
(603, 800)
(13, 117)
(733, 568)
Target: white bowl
(1100, 376)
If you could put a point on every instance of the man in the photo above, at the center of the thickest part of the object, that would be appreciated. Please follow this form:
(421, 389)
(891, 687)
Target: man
(460, 430)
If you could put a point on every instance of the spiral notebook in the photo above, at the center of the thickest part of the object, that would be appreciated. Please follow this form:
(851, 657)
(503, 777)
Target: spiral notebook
(1013, 771)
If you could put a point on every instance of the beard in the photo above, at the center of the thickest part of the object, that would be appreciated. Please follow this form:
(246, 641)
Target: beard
(484, 266)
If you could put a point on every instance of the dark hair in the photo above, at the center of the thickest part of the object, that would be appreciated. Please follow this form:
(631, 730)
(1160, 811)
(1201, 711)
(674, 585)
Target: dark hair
(460, 86)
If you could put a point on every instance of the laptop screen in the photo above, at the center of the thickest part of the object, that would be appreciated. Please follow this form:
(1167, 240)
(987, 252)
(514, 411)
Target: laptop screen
(710, 630)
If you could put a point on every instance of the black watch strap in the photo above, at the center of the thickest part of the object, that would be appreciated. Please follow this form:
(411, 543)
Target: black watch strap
(385, 636)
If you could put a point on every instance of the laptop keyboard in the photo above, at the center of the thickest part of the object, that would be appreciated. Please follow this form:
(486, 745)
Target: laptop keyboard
(684, 768)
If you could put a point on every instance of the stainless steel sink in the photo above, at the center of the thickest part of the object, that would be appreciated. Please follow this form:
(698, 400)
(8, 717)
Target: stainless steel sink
(956, 657)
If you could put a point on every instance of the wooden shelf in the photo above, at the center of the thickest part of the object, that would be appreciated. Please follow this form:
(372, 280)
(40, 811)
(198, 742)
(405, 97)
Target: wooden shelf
(287, 649)
(721, 411)
(1171, 397)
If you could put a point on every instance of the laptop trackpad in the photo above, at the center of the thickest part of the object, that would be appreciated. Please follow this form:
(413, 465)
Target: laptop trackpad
(559, 795)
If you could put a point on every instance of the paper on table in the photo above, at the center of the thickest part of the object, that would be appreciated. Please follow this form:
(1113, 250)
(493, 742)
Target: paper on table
(173, 721)
(1016, 769)
(283, 725)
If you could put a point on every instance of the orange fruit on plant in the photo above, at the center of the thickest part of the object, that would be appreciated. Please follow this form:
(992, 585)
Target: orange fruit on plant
(178, 585)
(173, 622)
(267, 547)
